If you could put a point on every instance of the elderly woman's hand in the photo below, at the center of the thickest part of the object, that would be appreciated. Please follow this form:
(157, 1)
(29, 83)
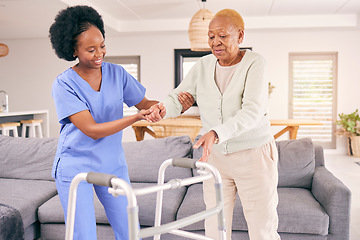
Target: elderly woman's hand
(158, 112)
(186, 100)
(206, 141)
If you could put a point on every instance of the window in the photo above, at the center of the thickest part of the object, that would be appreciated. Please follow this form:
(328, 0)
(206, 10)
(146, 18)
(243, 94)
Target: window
(312, 93)
(184, 61)
(132, 65)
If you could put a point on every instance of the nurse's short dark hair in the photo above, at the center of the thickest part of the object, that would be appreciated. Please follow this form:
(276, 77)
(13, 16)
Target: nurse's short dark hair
(70, 23)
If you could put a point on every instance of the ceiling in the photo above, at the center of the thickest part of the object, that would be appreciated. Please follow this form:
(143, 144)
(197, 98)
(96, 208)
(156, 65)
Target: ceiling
(32, 18)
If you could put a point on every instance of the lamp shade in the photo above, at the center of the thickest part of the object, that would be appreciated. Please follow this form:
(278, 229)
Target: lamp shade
(198, 30)
(4, 50)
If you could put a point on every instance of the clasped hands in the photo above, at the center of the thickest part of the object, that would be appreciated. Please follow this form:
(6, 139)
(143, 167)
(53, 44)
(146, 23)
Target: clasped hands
(158, 111)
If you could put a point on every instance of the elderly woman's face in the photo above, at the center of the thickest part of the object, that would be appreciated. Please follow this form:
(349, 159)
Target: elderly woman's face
(224, 40)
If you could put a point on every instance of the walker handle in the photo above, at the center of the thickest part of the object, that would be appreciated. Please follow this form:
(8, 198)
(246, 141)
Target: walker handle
(184, 162)
(101, 179)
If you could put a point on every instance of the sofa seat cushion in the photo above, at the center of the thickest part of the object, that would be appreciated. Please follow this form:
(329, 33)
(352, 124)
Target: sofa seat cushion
(26, 196)
(145, 157)
(52, 211)
(298, 211)
(147, 204)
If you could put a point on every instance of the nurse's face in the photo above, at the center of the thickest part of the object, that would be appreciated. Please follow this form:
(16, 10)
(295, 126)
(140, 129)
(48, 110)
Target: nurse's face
(90, 48)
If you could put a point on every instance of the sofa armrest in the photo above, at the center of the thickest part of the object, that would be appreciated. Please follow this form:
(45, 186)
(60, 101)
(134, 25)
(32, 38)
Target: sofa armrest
(335, 198)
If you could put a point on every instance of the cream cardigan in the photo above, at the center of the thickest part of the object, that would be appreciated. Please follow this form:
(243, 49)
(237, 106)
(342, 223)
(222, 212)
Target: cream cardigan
(239, 115)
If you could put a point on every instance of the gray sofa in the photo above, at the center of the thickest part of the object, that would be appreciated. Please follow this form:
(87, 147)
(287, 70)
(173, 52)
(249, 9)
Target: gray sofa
(313, 204)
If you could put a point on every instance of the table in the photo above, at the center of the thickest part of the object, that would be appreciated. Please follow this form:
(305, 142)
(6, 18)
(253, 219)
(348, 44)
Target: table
(179, 126)
(188, 125)
(26, 115)
(292, 126)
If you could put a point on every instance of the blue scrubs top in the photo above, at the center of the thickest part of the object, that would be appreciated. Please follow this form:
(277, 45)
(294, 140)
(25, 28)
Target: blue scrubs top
(76, 152)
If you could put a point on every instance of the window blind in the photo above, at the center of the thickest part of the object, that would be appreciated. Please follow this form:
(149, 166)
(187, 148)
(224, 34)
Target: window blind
(313, 95)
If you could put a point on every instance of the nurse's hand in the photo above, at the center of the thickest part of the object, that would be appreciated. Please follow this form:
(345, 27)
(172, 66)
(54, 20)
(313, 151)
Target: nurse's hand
(158, 112)
(142, 114)
(186, 100)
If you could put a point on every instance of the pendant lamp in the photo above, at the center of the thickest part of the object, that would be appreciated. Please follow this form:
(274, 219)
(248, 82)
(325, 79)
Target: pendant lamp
(4, 50)
(198, 29)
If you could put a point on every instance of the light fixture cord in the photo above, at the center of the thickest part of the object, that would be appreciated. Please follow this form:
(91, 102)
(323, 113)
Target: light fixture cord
(203, 1)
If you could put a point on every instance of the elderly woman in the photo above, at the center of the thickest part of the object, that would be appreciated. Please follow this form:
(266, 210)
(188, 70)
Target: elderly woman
(231, 90)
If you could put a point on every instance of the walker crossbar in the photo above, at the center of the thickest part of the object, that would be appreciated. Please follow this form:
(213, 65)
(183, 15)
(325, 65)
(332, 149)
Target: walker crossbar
(166, 186)
(118, 187)
(168, 227)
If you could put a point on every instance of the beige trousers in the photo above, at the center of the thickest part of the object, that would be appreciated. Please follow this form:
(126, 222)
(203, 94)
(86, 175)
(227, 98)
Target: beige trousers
(253, 174)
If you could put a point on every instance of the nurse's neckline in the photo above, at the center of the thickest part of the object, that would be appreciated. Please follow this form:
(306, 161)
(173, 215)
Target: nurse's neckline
(94, 83)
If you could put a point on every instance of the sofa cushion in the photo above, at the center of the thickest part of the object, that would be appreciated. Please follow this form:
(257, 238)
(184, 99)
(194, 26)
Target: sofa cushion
(193, 203)
(27, 158)
(52, 211)
(298, 211)
(147, 204)
(145, 157)
(197, 152)
(26, 196)
(56, 231)
(296, 163)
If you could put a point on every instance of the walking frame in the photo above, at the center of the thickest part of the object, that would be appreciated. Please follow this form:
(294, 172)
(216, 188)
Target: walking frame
(118, 187)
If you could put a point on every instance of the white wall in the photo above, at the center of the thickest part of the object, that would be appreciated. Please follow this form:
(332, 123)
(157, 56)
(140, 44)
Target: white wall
(31, 66)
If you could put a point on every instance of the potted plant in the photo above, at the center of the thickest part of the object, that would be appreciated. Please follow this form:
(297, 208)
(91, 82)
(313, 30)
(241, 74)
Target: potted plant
(350, 127)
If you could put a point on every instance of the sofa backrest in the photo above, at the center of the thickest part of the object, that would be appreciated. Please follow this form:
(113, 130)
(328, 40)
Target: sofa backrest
(296, 163)
(27, 158)
(32, 158)
(145, 157)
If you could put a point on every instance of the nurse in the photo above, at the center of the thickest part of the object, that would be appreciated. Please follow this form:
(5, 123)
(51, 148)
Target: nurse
(89, 101)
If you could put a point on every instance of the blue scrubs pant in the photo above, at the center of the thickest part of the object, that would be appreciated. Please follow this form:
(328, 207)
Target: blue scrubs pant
(85, 223)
